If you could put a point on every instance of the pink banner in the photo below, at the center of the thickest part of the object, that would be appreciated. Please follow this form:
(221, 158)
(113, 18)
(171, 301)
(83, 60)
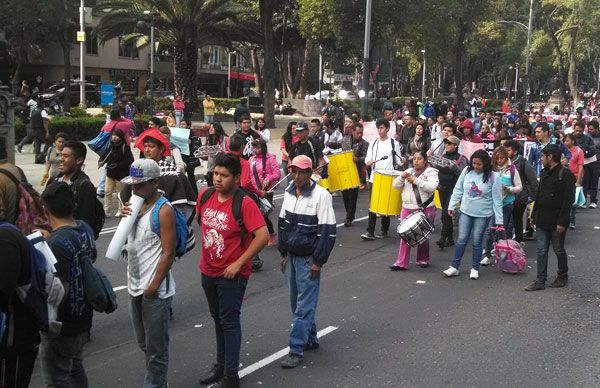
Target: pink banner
(467, 148)
(370, 131)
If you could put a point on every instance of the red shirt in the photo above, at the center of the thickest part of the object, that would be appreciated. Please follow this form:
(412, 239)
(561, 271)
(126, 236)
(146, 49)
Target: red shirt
(221, 243)
(576, 160)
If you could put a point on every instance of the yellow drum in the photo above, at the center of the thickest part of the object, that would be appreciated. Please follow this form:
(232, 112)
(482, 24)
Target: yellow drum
(436, 199)
(385, 199)
(324, 183)
(343, 173)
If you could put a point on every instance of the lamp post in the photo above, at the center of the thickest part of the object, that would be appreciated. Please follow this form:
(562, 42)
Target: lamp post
(151, 59)
(516, 80)
(423, 85)
(81, 55)
(229, 72)
(528, 56)
(320, 69)
(366, 59)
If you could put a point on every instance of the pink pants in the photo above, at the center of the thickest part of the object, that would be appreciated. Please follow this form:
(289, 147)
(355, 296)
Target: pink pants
(422, 249)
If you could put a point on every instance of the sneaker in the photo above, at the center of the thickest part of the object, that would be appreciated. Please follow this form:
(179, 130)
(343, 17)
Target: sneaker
(474, 274)
(395, 267)
(291, 361)
(535, 286)
(572, 226)
(450, 243)
(348, 223)
(451, 271)
(528, 235)
(257, 264)
(486, 261)
(441, 243)
(228, 381)
(367, 236)
(593, 205)
(381, 235)
(311, 346)
(422, 264)
(584, 206)
(559, 282)
(272, 240)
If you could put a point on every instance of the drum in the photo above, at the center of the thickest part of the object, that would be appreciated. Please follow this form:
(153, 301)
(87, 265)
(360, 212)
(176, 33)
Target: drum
(385, 199)
(343, 173)
(437, 200)
(323, 182)
(415, 229)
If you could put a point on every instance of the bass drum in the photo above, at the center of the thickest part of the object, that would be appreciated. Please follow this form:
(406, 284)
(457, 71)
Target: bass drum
(385, 199)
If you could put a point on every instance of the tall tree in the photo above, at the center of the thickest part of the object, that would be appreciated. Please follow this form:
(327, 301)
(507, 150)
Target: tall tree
(267, 8)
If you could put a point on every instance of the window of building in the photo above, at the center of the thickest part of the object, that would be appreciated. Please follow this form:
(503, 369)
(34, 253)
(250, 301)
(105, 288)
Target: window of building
(214, 58)
(91, 42)
(128, 50)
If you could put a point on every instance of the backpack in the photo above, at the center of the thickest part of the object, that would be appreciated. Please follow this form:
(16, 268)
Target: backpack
(41, 296)
(32, 213)
(183, 230)
(236, 207)
(99, 215)
(510, 256)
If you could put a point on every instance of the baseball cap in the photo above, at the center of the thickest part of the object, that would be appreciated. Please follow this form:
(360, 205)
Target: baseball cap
(452, 139)
(301, 126)
(466, 124)
(142, 170)
(303, 162)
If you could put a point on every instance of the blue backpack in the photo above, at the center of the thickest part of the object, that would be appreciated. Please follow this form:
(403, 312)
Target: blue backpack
(183, 229)
(41, 296)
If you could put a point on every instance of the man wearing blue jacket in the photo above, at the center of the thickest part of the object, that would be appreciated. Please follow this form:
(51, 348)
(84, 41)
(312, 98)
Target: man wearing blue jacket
(307, 234)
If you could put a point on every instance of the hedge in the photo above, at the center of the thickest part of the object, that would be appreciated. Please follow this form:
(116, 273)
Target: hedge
(165, 105)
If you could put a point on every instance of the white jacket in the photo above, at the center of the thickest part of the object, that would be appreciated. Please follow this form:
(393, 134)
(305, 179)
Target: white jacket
(427, 182)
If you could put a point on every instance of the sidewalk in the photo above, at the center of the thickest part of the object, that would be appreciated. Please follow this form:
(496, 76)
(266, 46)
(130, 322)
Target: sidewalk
(34, 172)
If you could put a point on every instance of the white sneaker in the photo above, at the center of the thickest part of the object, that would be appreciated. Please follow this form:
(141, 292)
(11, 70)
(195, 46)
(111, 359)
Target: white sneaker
(593, 205)
(486, 261)
(451, 271)
(474, 274)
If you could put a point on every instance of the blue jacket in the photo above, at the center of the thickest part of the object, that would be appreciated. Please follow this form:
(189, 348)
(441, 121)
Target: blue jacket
(535, 154)
(476, 198)
(307, 223)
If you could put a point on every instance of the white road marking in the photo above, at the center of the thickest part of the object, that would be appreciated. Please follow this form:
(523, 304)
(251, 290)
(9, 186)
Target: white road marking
(358, 219)
(115, 289)
(276, 356)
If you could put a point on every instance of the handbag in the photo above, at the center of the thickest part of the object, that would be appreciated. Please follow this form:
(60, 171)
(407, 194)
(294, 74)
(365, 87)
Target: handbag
(101, 143)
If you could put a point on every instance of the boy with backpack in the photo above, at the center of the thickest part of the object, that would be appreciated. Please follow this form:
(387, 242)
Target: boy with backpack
(150, 252)
(71, 242)
(233, 232)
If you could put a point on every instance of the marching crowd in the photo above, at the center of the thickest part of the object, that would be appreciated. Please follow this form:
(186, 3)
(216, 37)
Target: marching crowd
(526, 188)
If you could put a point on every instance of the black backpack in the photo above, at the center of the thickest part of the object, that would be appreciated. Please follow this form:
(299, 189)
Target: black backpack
(236, 207)
(99, 215)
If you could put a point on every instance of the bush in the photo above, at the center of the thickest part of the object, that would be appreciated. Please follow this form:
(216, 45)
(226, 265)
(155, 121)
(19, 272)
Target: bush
(224, 104)
(77, 128)
(78, 112)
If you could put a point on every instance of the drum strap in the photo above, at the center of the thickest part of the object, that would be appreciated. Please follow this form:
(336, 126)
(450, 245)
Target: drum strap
(422, 204)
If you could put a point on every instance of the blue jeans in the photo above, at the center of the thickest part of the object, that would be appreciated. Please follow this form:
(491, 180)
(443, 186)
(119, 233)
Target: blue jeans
(507, 215)
(178, 117)
(543, 238)
(224, 298)
(472, 227)
(151, 319)
(102, 184)
(62, 360)
(208, 119)
(304, 295)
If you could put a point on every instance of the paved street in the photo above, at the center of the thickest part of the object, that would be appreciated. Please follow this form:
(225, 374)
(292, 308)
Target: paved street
(382, 328)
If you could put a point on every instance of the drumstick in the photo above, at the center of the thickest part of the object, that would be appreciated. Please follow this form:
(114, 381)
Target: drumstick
(285, 177)
(382, 158)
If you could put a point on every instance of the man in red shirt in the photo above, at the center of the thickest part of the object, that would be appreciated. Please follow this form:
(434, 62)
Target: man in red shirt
(225, 263)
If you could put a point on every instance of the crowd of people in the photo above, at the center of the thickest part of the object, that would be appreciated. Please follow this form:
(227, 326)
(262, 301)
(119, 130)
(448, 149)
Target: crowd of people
(536, 162)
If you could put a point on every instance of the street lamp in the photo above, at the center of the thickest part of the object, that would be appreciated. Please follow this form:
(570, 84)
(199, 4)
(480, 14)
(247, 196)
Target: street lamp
(81, 56)
(516, 80)
(229, 72)
(366, 60)
(153, 15)
(423, 86)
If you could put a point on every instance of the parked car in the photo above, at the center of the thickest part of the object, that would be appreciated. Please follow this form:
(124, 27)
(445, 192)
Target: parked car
(55, 94)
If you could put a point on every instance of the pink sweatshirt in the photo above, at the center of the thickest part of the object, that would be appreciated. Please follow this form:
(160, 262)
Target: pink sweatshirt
(270, 175)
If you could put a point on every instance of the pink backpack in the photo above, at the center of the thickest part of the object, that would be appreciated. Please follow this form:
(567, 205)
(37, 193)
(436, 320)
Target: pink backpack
(510, 257)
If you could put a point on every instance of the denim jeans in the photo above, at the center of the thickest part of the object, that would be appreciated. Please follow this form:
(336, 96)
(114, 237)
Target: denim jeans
(507, 213)
(591, 173)
(472, 227)
(151, 319)
(304, 295)
(62, 360)
(224, 298)
(543, 239)
(102, 184)
(178, 117)
(208, 119)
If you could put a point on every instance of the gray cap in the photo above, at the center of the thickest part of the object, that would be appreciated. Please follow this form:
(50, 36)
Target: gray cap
(452, 139)
(142, 170)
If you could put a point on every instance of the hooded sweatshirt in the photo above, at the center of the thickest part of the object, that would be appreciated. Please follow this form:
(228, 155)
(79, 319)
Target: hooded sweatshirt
(478, 198)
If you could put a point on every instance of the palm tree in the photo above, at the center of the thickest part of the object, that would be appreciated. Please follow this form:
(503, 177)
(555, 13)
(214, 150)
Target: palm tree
(184, 25)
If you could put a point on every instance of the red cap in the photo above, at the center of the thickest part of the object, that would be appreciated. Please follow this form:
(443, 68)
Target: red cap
(466, 124)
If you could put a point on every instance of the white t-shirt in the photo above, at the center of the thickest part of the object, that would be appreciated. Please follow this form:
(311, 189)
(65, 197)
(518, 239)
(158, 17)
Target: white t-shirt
(378, 149)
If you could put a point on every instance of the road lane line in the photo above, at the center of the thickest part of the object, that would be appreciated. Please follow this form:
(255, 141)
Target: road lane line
(115, 289)
(358, 219)
(276, 356)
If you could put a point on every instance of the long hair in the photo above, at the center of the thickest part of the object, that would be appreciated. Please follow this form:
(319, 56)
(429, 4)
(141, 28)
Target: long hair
(218, 135)
(263, 151)
(287, 136)
(259, 120)
(487, 163)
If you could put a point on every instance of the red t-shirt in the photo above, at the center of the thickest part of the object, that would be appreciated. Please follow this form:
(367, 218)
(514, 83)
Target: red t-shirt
(576, 160)
(221, 243)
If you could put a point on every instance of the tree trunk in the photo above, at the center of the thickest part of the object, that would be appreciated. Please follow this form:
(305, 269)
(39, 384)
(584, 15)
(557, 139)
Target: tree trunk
(571, 39)
(308, 51)
(297, 76)
(458, 62)
(258, 81)
(266, 18)
(66, 49)
(186, 70)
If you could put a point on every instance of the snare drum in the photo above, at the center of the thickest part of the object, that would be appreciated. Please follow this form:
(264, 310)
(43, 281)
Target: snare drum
(415, 229)
(343, 173)
(385, 199)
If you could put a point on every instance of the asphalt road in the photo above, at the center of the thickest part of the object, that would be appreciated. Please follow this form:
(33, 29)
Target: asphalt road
(385, 329)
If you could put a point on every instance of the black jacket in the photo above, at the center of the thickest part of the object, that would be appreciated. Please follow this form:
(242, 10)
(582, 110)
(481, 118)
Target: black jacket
(118, 161)
(586, 143)
(554, 198)
(528, 179)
